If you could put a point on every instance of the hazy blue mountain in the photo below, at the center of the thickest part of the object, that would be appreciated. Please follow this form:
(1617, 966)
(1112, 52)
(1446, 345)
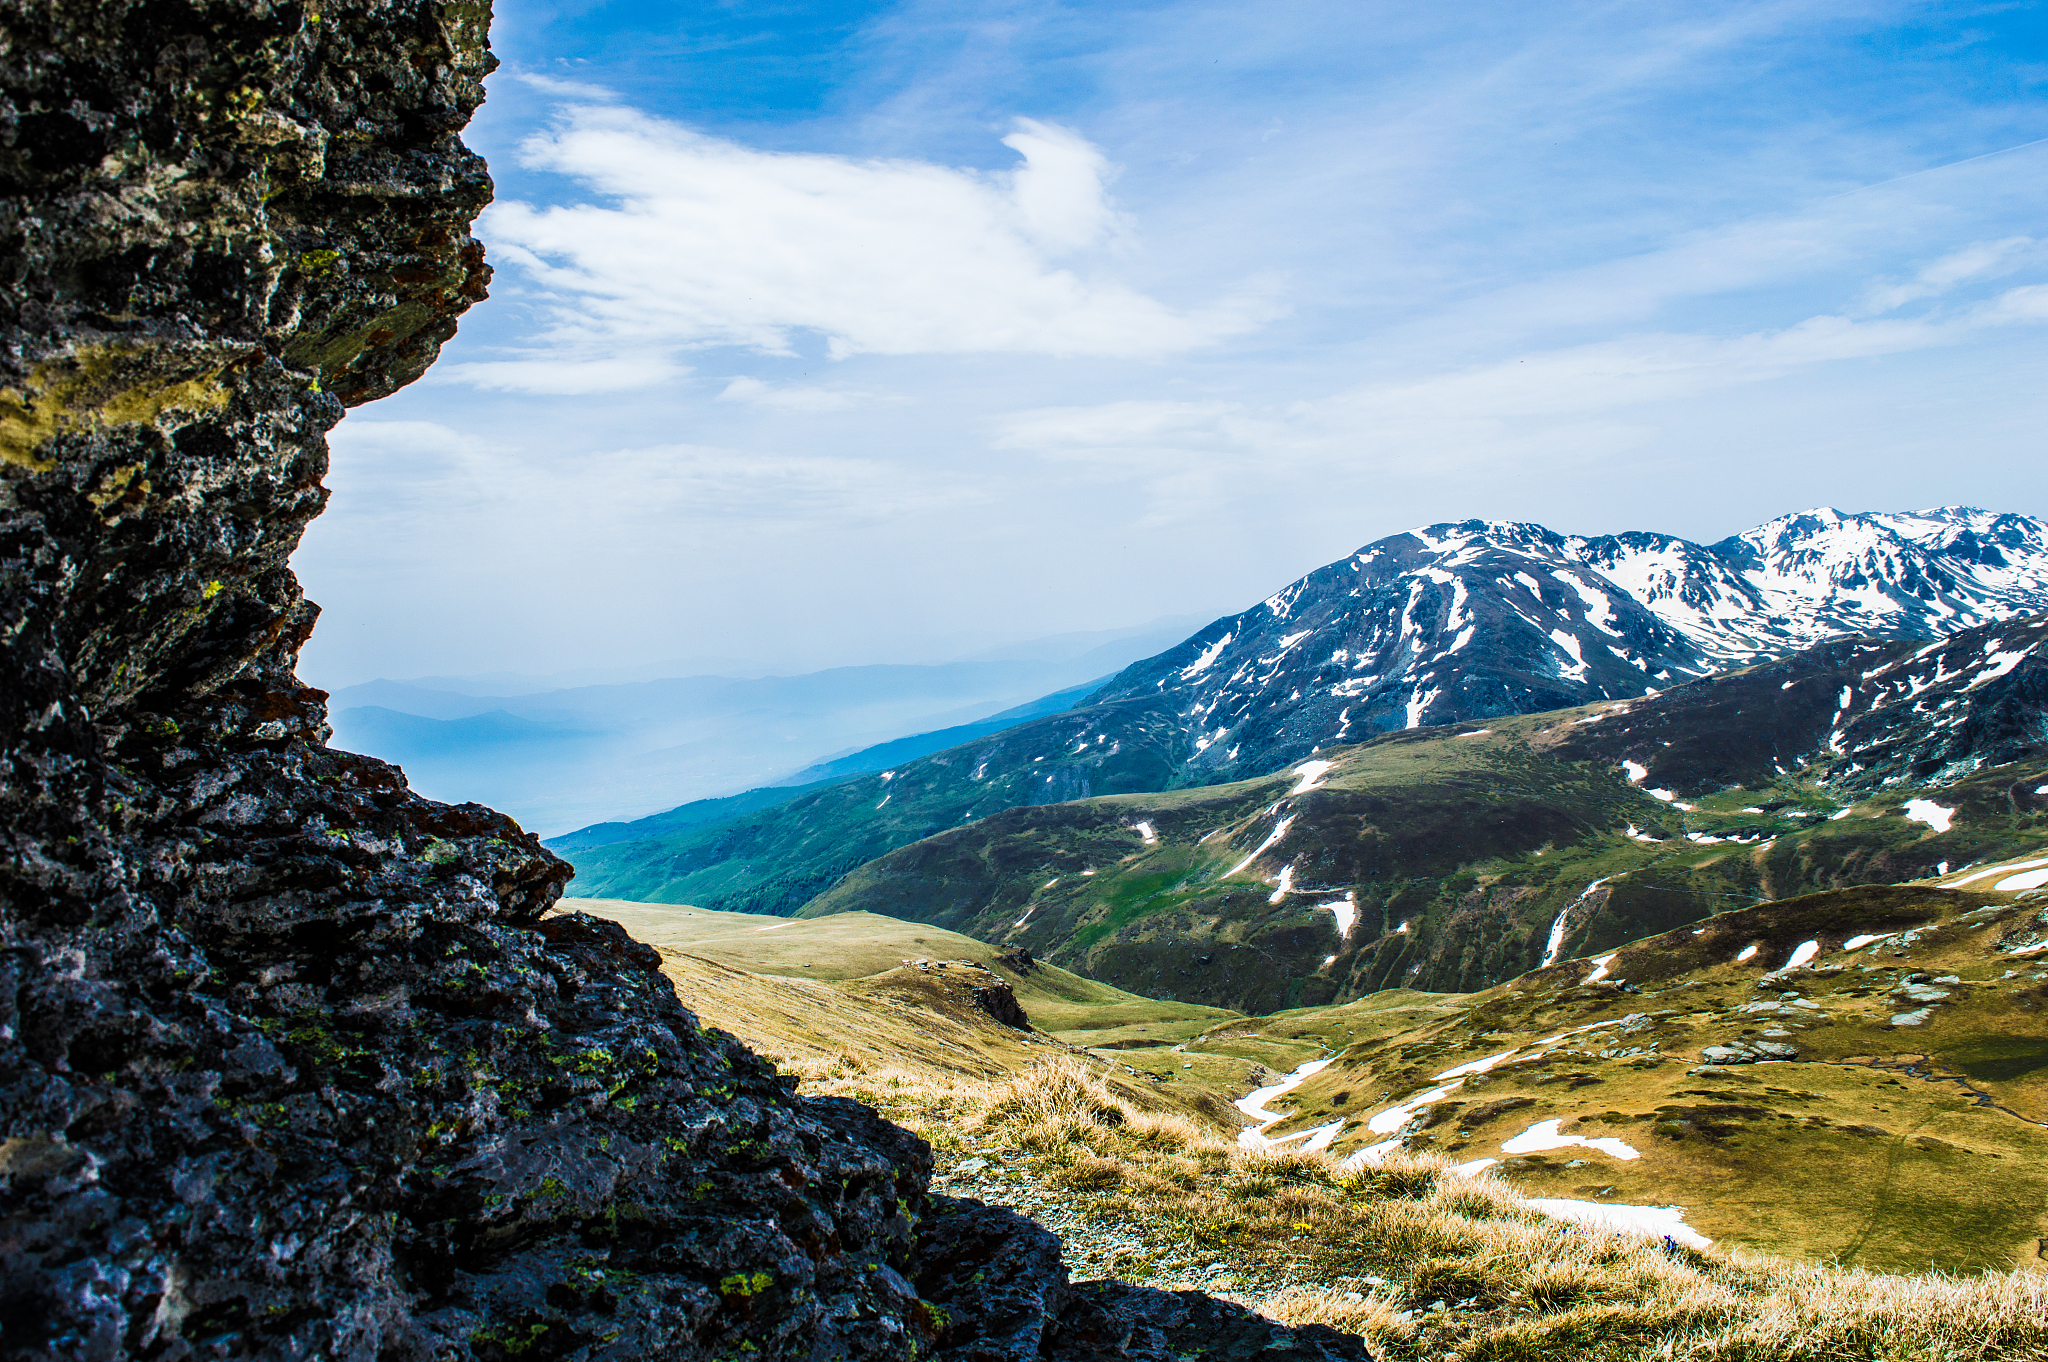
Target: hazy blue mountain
(700, 812)
(572, 756)
(1445, 624)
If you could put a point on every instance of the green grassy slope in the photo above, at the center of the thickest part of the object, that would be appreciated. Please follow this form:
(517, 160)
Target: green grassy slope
(774, 860)
(852, 946)
(1458, 851)
(1878, 1144)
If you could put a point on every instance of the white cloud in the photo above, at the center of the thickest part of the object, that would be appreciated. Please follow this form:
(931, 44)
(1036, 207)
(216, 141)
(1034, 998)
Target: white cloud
(1978, 260)
(702, 241)
(794, 397)
(564, 375)
(1059, 188)
(565, 89)
(1567, 403)
(1634, 370)
(399, 478)
(1114, 426)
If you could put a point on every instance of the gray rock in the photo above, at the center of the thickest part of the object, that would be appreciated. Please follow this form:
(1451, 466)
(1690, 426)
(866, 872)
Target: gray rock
(1914, 1018)
(293, 1062)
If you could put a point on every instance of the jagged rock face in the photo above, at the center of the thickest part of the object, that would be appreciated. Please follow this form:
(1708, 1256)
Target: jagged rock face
(286, 1066)
(291, 1065)
(1478, 619)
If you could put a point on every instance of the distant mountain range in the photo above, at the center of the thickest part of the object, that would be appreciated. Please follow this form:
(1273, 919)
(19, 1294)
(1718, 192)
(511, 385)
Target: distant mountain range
(1456, 857)
(558, 757)
(1481, 618)
(1451, 623)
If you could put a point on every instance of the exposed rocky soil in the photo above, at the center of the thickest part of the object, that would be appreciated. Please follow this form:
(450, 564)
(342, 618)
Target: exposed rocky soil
(290, 1064)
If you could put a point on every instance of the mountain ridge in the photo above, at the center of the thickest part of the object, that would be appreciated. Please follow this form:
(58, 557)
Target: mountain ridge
(1175, 721)
(1454, 857)
(1380, 640)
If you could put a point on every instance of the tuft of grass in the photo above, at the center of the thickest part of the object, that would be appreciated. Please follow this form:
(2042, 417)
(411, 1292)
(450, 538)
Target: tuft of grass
(1423, 1261)
(1379, 1321)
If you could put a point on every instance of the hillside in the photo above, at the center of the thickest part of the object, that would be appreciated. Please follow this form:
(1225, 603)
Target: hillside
(1440, 1171)
(775, 860)
(860, 994)
(1453, 623)
(1858, 1076)
(1452, 859)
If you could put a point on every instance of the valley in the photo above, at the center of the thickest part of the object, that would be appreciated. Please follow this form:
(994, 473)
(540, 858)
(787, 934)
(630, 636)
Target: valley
(1855, 1080)
(1452, 859)
(1448, 629)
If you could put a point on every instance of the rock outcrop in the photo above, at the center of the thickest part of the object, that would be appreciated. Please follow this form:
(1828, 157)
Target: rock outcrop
(290, 1064)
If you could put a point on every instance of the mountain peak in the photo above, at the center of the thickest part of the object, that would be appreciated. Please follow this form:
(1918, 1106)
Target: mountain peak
(1470, 619)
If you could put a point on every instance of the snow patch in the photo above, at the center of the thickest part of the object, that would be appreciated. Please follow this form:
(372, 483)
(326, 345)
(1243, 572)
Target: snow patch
(1311, 773)
(2031, 879)
(1253, 1105)
(1208, 657)
(1346, 913)
(1557, 924)
(1145, 833)
(1279, 831)
(1928, 812)
(1802, 953)
(1599, 968)
(1394, 1117)
(1545, 1135)
(1654, 1221)
(1997, 870)
(1478, 1066)
(1746, 953)
(1636, 772)
(1569, 644)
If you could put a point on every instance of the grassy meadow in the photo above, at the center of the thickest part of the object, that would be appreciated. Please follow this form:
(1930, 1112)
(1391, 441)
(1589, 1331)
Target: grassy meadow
(1880, 1196)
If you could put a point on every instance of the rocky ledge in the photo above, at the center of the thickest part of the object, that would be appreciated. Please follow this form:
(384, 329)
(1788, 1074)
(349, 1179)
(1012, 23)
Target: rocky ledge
(290, 1064)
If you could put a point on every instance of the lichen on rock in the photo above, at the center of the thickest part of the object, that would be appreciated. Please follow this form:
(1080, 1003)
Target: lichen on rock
(291, 1063)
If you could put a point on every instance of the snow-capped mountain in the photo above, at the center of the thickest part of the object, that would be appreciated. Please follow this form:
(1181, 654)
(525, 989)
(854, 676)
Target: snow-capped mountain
(1822, 574)
(1481, 618)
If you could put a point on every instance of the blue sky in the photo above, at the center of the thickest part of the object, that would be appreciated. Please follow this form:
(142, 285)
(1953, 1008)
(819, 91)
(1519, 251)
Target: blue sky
(827, 334)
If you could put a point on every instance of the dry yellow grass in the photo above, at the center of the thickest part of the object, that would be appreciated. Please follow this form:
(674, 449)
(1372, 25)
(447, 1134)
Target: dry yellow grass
(1428, 1263)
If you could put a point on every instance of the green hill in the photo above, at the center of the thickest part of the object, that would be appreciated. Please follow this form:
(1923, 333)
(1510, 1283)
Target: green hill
(1453, 859)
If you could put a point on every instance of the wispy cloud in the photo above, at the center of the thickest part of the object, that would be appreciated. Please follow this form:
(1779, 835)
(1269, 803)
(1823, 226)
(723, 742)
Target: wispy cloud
(1979, 260)
(564, 375)
(693, 240)
(1197, 456)
(565, 89)
(795, 396)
